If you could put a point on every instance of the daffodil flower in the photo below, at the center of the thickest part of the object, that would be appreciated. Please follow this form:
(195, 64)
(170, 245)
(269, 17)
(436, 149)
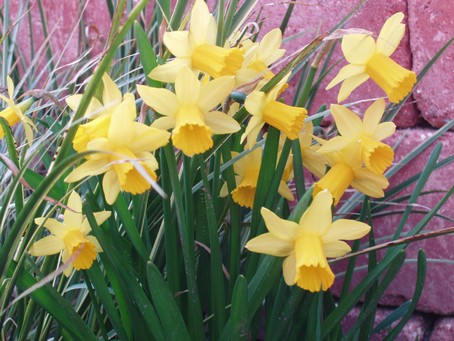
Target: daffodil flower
(370, 59)
(14, 113)
(376, 155)
(197, 49)
(259, 56)
(347, 170)
(99, 112)
(128, 144)
(247, 171)
(187, 111)
(70, 236)
(264, 108)
(307, 244)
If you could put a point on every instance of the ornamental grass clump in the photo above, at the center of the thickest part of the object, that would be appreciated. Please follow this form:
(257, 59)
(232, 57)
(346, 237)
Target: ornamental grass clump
(178, 186)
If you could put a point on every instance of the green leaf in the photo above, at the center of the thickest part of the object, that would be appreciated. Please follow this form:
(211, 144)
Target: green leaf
(147, 56)
(57, 306)
(239, 310)
(420, 278)
(165, 304)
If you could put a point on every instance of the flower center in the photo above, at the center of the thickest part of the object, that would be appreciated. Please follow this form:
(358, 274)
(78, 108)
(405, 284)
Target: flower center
(244, 194)
(376, 155)
(191, 134)
(75, 241)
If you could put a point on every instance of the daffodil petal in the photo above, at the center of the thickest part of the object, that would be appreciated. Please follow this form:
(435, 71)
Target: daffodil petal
(347, 122)
(318, 217)
(252, 129)
(203, 27)
(285, 191)
(46, 246)
(168, 72)
(187, 86)
(164, 123)
(161, 100)
(88, 168)
(345, 229)
(281, 228)
(221, 123)
(391, 34)
(370, 183)
(73, 216)
(373, 115)
(336, 248)
(110, 186)
(358, 48)
(384, 130)
(111, 95)
(121, 126)
(347, 71)
(255, 103)
(53, 225)
(100, 218)
(349, 85)
(334, 144)
(95, 242)
(148, 138)
(215, 92)
(178, 43)
(268, 50)
(268, 244)
(10, 83)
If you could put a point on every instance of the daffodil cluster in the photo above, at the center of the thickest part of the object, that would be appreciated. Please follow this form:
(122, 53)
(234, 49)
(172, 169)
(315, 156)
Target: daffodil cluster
(122, 147)
(357, 157)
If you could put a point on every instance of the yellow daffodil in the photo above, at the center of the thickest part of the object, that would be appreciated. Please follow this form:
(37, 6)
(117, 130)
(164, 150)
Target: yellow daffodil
(264, 108)
(259, 56)
(247, 174)
(70, 236)
(127, 145)
(99, 112)
(187, 111)
(368, 133)
(370, 59)
(197, 49)
(347, 170)
(14, 113)
(307, 244)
